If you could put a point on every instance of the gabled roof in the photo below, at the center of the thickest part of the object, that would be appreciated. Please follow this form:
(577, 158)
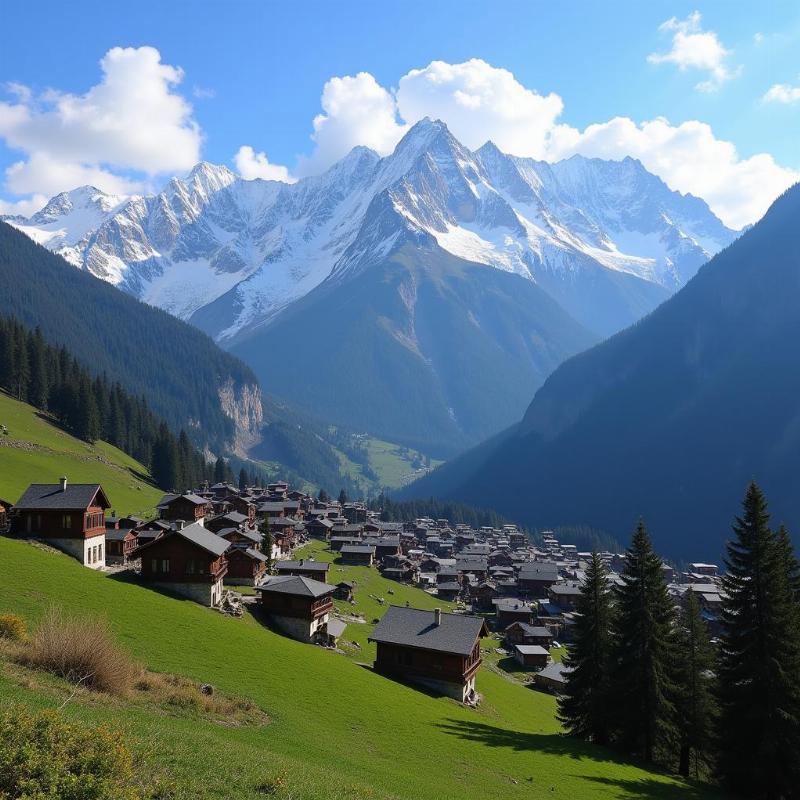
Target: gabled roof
(539, 571)
(530, 630)
(413, 627)
(189, 497)
(197, 535)
(336, 627)
(310, 565)
(76, 496)
(297, 585)
(251, 535)
(358, 549)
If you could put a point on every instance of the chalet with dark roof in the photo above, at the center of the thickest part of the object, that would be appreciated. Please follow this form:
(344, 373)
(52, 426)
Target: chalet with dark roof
(307, 568)
(536, 577)
(441, 651)
(298, 606)
(357, 554)
(68, 516)
(188, 507)
(120, 544)
(187, 560)
(523, 633)
(246, 566)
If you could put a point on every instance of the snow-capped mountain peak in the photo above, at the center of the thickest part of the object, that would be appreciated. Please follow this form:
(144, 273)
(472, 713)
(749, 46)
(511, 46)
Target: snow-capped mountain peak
(231, 253)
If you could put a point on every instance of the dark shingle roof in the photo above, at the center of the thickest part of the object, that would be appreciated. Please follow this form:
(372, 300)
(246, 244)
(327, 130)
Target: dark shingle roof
(189, 496)
(296, 585)
(358, 549)
(413, 627)
(310, 566)
(539, 571)
(50, 495)
(197, 535)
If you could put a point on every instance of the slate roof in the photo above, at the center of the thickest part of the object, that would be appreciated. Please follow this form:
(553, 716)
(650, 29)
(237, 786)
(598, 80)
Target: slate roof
(251, 535)
(50, 495)
(413, 627)
(190, 496)
(315, 566)
(555, 672)
(358, 549)
(539, 571)
(296, 585)
(531, 650)
(531, 630)
(198, 535)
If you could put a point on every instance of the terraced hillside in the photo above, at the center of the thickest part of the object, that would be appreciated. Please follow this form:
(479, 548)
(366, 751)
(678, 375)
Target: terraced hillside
(335, 728)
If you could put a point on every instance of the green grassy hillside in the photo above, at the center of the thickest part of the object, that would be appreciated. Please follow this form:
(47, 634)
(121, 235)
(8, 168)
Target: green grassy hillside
(36, 451)
(336, 729)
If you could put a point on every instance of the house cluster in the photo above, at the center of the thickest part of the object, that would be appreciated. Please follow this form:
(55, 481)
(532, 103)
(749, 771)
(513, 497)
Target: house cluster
(211, 537)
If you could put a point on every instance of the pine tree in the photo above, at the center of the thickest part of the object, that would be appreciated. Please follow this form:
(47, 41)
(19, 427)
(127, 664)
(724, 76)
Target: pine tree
(219, 470)
(242, 479)
(583, 706)
(759, 665)
(324, 497)
(342, 496)
(694, 699)
(643, 660)
(39, 382)
(87, 420)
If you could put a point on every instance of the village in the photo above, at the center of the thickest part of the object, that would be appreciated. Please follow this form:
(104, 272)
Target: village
(262, 548)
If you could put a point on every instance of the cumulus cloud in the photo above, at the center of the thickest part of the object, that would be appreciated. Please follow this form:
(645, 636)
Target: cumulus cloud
(480, 102)
(23, 208)
(252, 165)
(694, 48)
(133, 120)
(782, 93)
(689, 158)
(356, 110)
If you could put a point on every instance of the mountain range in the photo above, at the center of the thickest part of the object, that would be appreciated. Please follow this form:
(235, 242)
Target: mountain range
(670, 418)
(423, 296)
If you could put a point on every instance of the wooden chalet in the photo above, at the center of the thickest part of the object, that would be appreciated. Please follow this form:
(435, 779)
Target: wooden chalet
(441, 651)
(512, 609)
(70, 517)
(564, 595)
(120, 544)
(232, 519)
(246, 566)
(187, 560)
(523, 633)
(357, 554)
(536, 577)
(188, 507)
(532, 656)
(298, 606)
(307, 568)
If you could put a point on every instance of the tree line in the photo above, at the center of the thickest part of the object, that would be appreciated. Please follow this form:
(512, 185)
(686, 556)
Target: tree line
(644, 676)
(434, 508)
(92, 407)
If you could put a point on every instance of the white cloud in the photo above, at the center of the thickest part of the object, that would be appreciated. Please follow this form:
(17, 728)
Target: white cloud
(356, 110)
(23, 208)
(689, 158)
(694, 48)
(480, 102)
(252, 165)
(782, 93)
(133, 120)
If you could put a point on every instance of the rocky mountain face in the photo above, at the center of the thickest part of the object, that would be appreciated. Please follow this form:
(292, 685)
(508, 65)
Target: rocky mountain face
(605, 241)
(671, 418)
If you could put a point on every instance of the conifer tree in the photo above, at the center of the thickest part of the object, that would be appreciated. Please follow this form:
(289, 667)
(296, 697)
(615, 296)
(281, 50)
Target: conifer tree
(759, 665)
(694, 699)
(267, 541)
(583, 706)
(342, 496)
(219, 470)
(643, 660)
(242, 479)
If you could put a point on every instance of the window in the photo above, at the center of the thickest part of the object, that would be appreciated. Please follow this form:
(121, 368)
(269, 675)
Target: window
(190, 567)
(66, 521)
(154, 565)
(165, 565)
(100, 551)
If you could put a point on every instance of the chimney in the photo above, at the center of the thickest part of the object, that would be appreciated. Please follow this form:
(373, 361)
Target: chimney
(437, 616)
(63, 483)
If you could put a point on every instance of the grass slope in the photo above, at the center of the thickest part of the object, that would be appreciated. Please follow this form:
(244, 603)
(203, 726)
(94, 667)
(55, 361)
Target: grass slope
(36, 451)
(336, 730)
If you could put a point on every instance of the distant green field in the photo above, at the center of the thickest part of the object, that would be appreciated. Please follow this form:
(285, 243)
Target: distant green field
(336, 730)
(36, 451)
(394, 464)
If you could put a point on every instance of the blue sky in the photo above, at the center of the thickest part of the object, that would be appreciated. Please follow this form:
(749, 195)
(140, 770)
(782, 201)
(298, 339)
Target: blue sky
(244, 74)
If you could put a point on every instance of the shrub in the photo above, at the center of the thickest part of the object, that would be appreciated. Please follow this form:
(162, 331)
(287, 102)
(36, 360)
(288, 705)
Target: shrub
(13, 627)
(46, 758)
(83, 652)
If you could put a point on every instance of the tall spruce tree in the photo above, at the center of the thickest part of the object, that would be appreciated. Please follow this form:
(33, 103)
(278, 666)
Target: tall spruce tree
(694, 699)
(759, 665)
(583, 706)
(643, 658)
(267, 541)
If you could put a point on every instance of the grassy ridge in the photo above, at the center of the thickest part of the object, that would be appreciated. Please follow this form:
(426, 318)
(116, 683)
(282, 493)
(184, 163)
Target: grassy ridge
(336, 729)
(36, 451)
